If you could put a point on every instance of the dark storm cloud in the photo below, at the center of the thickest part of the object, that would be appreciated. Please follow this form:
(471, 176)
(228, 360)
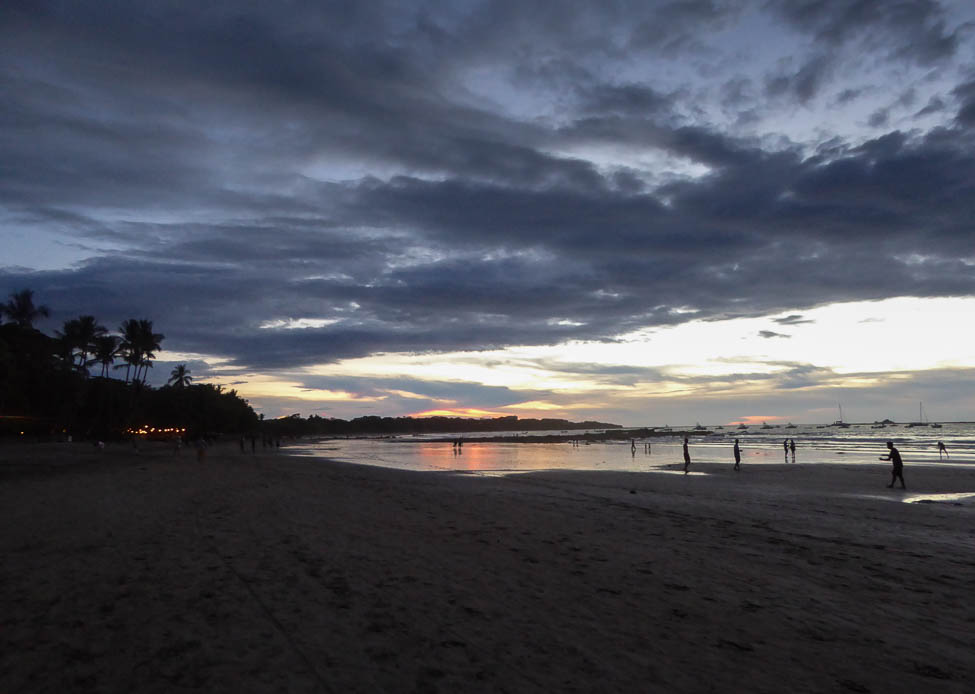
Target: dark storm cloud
(848, 95)
(675, 27)
(916, 31)
(879, 118)
(935, 105)
(443, 176)
(965, 93)
(805, 82)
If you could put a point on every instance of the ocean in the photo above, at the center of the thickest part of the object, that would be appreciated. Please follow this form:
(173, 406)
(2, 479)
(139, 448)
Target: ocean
(858, 444)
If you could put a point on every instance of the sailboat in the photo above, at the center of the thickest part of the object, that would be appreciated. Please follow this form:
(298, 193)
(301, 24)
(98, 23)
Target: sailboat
(921, 419)
(839, 422)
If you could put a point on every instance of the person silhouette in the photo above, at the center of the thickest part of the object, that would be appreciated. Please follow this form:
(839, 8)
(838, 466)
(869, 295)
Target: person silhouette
(897, 465)
(942, 449)
(785, 449)
(687, 456)
(737, 456)
(792, 449)
(633, 448)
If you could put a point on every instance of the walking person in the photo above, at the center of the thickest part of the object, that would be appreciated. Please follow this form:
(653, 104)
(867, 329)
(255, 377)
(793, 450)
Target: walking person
(687, 457)
(897, 465)
(737, 456)
(942, 449)
(792, 449)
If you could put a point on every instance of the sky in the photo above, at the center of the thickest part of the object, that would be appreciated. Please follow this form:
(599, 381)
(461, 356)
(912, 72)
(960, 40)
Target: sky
(643, 213)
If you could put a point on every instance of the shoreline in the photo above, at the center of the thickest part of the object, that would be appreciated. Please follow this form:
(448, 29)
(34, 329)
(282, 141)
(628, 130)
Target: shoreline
(153, 572)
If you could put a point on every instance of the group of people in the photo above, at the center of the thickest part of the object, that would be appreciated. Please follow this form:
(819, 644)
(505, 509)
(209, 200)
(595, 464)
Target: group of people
(789, 445)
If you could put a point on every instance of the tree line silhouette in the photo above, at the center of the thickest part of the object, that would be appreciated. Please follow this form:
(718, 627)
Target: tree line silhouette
(295, 425)
(47, 387)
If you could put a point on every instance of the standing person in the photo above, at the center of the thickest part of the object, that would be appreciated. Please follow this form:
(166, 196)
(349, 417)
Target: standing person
(785, 449)
(897, 465)
(687, 456)
(792, 449)
(737, 456)
(942, 449)
(633, 448)
(201, 449)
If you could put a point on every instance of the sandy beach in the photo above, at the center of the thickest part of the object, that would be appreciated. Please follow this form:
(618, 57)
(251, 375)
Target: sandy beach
(151, 572)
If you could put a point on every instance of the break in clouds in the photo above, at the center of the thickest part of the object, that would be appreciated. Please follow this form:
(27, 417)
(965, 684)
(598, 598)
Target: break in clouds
(292, 184)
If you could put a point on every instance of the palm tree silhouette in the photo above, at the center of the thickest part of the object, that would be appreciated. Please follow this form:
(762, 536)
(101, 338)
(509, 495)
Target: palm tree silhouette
(21, 309)
(139, 345)
(180, 377)
(79, 335)
(104, 351)
(129, 345)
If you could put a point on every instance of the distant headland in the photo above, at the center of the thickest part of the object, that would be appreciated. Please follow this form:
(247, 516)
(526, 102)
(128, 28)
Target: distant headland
(296, 425)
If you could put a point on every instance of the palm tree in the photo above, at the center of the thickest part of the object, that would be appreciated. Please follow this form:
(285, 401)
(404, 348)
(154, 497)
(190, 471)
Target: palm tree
(129, 347)
(106, 348)
(21, 309)
(180, 377)
(149, 342)
(80, 334)
(139, 345)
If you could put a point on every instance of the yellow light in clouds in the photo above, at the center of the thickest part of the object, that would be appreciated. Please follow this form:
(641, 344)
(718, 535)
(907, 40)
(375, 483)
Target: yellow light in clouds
(700, 358)
(264, 385)
(460, 412)
(518, 367)
(533, 405)
(417, 396)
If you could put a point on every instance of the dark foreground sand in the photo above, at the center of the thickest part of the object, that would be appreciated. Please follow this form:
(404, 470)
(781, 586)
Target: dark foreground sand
(152, 573)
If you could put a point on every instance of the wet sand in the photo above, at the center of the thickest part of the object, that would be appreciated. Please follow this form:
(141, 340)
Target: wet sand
(150, 572)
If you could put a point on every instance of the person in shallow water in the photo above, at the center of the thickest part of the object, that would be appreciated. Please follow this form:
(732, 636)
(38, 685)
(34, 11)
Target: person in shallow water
(897, 465)
(785, 449)
(687, 457)
(792, 449)
(737, 456)
(942, 449)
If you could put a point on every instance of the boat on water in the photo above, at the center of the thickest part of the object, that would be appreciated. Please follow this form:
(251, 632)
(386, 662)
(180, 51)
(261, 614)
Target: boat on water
(790, 425)
(839, 422)
(767, 426)
(743, 426)
(922, 420)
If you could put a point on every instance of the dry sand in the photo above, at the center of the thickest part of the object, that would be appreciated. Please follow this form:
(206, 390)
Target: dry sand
(148, 572)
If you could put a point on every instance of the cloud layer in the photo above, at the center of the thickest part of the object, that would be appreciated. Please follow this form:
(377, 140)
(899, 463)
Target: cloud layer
(439, 176)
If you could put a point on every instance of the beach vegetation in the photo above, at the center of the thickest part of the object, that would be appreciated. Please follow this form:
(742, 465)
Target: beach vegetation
(78, 338)
(180, 377)
(21, 309)
(47, 391)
